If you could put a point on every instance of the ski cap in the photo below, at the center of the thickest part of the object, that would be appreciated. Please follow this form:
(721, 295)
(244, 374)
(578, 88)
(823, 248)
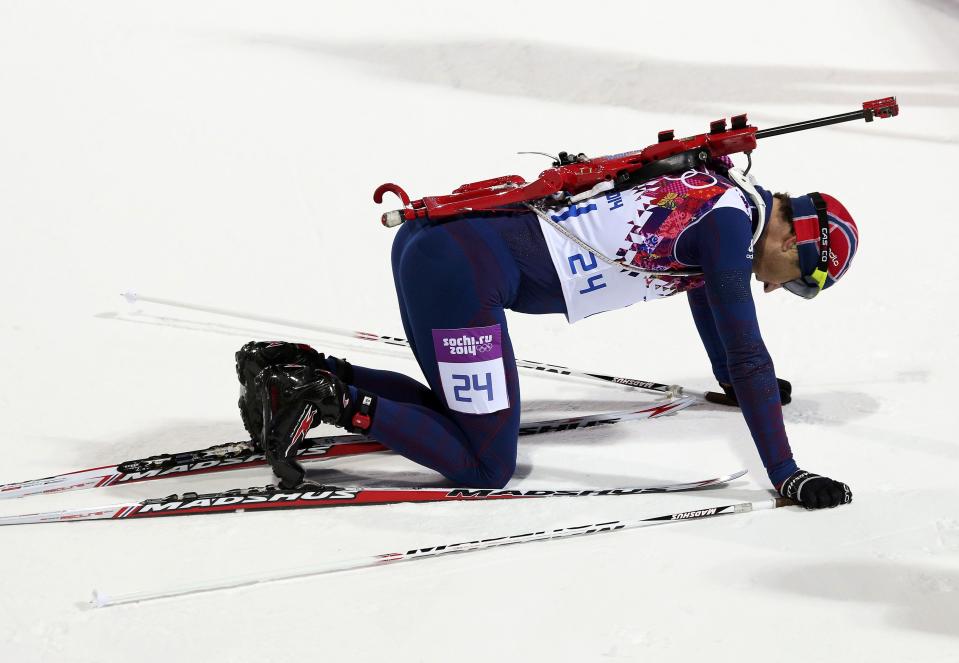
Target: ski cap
(824, 256)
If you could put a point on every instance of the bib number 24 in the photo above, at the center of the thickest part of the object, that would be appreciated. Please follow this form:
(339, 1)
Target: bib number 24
(471, 383)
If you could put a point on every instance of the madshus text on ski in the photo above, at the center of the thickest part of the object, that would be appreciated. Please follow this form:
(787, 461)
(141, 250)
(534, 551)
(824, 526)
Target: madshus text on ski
(311, 496)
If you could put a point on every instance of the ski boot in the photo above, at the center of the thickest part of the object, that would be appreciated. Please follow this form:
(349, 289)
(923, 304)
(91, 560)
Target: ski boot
(254, 356)
(295, 399)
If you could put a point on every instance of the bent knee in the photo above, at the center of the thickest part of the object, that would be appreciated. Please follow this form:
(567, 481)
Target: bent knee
(497, 476)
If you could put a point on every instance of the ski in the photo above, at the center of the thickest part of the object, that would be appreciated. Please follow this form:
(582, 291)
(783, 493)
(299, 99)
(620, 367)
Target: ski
(273, 498)
(217, 458)
(243, 455)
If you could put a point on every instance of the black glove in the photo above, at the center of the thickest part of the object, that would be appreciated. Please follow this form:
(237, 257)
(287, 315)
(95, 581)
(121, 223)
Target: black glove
(815, 492)
(729, 396)
(254, 356)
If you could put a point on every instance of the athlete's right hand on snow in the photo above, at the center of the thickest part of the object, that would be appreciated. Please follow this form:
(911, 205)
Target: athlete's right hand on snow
(815, 492)
(728, 397)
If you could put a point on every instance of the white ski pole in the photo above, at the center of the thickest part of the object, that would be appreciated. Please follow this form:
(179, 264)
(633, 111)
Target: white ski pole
(103, 600)
(672, 390)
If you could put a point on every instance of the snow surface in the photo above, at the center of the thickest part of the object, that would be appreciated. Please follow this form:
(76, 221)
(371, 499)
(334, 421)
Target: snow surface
(224, 154)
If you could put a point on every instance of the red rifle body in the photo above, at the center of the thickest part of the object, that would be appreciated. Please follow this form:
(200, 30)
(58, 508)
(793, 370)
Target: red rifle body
(573, 175)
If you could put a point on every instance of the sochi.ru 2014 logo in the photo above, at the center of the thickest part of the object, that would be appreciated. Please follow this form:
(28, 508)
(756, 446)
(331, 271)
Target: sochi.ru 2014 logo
(469, 345)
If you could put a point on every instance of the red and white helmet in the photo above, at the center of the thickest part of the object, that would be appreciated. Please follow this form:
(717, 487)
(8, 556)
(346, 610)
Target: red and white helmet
(827, 238)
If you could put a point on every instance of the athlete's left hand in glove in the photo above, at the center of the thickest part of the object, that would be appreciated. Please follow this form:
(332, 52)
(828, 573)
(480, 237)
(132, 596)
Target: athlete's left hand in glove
(728, 397)
(813, 491)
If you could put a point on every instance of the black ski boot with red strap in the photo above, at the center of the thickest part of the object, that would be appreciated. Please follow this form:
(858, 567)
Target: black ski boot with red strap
(255, 356)
(297, 398)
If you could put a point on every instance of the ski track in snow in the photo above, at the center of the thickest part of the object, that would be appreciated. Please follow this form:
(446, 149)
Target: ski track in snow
(224, 154)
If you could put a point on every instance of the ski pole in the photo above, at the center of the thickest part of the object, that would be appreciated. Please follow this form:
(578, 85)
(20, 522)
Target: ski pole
(671, 390)
(102, 600)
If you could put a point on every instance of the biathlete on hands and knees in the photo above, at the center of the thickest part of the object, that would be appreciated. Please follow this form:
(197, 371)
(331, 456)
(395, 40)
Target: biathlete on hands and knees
(703, 232)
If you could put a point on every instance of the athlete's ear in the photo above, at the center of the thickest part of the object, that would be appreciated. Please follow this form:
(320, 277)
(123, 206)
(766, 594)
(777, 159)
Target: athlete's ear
(789, 244)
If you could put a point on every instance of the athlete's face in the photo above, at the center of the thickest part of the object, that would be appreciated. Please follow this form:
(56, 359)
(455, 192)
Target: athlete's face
(777, 259)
